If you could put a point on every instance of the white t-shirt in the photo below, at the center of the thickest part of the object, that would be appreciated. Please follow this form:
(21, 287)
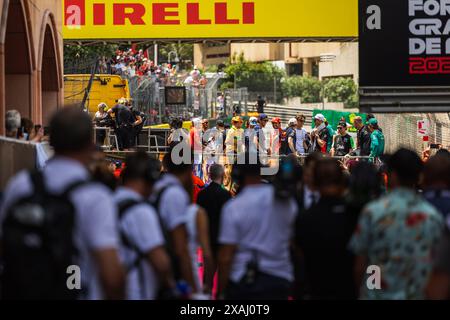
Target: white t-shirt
(141, 227)
(173, 203)
(95, 214)
(256, 222)
(193, 242)
(268, 131)
(300, 137)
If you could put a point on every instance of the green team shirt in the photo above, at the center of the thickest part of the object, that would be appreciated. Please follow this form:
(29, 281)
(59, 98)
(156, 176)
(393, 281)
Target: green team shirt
(377, 144)
(331, 134)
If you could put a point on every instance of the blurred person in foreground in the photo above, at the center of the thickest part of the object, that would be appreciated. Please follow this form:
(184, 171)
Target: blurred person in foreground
(322, 236)
(397, 234)
(437, 192)
(143, 251)
(171, 197)
(212, 199)
(86, 226)
(256, 229)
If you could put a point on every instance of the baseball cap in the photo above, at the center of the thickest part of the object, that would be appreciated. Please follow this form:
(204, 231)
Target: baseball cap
(276, 120)
(358, 118)
(263, 116)
(220, 123)
(253, 121)
(319, 117)
(236, 119)
(293, 121)
(373, 122)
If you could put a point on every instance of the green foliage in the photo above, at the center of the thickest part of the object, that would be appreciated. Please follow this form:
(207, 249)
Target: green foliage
(307, 88)
(185, 53)
(341, 90)
(79, 54)
(257, 77)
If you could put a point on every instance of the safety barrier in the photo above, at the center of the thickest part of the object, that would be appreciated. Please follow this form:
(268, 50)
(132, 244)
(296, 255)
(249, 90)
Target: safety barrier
(15, 156)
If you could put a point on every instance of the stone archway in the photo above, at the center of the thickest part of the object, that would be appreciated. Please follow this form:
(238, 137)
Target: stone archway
(49, 67)
(18, 60)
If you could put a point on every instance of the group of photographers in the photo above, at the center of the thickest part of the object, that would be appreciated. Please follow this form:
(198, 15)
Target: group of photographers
(124, 119)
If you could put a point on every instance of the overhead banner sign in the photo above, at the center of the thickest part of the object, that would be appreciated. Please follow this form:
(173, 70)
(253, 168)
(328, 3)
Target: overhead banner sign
(209, 19)
(405, 45)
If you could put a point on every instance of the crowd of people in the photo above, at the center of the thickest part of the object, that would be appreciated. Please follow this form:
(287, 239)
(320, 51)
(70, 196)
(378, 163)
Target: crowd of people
(222, 144)
(136, 63)
(311, 231)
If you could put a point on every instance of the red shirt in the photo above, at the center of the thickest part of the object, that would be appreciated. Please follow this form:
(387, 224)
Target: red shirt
(198, 186)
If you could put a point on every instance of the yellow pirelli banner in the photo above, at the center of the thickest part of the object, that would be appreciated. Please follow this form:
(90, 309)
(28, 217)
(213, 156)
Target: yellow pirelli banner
(209, 19)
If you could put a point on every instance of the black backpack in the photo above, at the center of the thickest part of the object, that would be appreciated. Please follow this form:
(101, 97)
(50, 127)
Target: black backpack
(37, 245)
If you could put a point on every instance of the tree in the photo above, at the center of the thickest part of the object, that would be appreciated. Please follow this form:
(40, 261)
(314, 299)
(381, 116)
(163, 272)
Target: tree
(81, 58)
(185, 53)
(257, 77)
(341, 90)
(306, 87)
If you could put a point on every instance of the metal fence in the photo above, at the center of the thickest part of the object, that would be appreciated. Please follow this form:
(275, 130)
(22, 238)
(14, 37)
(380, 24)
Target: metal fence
(400, 130)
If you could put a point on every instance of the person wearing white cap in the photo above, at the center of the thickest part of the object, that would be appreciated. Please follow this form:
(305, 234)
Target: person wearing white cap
(250, 136)
(320, 134)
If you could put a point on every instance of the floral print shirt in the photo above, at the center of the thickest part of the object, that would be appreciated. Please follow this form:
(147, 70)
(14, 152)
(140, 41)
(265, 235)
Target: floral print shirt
(397, 233)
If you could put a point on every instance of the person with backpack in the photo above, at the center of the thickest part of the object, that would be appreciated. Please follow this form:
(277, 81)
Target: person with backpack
(58, 231)
(171, 199)
(143, 248)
